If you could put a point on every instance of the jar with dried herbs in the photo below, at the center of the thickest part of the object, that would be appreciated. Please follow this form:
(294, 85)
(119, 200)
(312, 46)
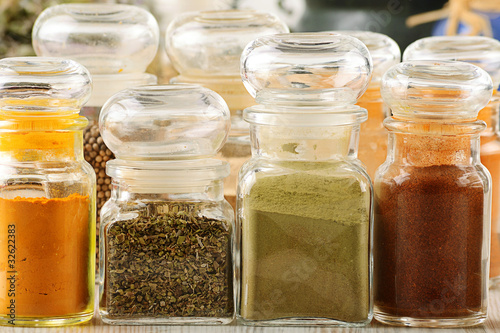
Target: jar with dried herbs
(432, 198)
(304, 200)
(205, 48)
(47, 194)
(485, 53)
(116, 43)
(167, 231)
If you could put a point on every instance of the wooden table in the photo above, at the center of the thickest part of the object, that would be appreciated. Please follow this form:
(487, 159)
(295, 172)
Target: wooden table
(97, 326)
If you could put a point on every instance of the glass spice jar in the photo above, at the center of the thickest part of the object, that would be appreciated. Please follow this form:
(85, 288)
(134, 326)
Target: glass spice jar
(115, 43)
(205, 48)
(304, 200)
(167, 231)
(432, 198)
(372, 135)
(47, 194)
(485, 53)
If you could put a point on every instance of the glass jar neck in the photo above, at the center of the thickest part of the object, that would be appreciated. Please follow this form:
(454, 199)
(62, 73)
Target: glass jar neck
(34, 137)
(424, 144)
(304, 143)
(129, 190)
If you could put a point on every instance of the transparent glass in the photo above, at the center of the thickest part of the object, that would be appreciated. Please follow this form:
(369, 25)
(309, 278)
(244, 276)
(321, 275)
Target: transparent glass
(483, 52)
(47, 196)
(304, 200)
(167, 238)
(385, 53)
(433, 196)
(205, 48)
(116, 43)
(165, 122)
(98, 36)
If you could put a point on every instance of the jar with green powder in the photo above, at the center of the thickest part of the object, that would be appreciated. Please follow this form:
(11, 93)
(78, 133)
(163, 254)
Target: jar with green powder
(304, 199)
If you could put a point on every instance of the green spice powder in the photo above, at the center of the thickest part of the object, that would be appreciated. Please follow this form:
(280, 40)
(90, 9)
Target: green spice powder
(169, 262)
(305, 248)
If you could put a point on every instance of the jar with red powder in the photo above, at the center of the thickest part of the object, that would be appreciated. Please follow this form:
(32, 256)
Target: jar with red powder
(433, 198)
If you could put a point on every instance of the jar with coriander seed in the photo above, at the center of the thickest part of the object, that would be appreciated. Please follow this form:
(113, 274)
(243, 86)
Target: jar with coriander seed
(304, 200)
(167, 231)
(116, 43)
(205, 48)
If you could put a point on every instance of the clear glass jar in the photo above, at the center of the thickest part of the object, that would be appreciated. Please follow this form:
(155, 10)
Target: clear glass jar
(432, 198)
(205, 48)
(115, 43)
(167, 231)
(373, 136)
(47, 196)
(485, 53)
(304, 200)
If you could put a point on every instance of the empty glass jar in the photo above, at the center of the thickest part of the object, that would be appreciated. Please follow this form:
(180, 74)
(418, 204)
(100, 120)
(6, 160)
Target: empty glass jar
(116, 43)
(167, 231)
(47, 194)
(432, 198)
(304, 200)
(205, 48)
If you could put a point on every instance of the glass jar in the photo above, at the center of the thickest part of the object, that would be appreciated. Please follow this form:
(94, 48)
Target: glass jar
(167, 231)
(47, 194)
(205, 48)
(115, 43)
(485, 53)
(373, 136)
(304, 200)
(432, 198)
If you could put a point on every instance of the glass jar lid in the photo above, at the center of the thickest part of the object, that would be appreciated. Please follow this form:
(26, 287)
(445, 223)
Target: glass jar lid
(105, 38)
(384, 50)
(481, 51)
(306, 68)
(46, 85)
(426, 89)
(178, 121)
(210, 43)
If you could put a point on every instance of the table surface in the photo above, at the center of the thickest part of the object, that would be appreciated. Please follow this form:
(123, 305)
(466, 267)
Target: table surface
(492, 324)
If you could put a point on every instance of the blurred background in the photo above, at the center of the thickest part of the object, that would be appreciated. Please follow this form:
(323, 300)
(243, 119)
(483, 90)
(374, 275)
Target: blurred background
(395, 18)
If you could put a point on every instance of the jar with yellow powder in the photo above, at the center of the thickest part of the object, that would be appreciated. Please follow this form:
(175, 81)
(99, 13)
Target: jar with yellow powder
(47, 194)
(205, 48)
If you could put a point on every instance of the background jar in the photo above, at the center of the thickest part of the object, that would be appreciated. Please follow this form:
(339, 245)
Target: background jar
(432, 198)
(47, 196)
(373, 136)
(205, 48)
(304, 200)
(116, 43)
(485, 53)
(167, 231)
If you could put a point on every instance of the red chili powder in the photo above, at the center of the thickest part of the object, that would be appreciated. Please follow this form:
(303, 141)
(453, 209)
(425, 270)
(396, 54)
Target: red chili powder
(428, 241)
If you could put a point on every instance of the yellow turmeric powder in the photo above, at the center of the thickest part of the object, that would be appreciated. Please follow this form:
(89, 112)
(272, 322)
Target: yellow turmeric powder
(46, 264)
